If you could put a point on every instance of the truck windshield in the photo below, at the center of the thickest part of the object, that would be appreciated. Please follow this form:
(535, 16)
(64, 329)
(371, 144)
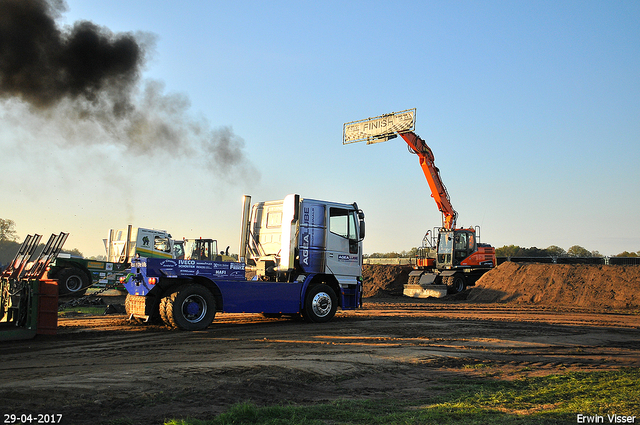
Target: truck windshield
(178, 250)
(161, 244)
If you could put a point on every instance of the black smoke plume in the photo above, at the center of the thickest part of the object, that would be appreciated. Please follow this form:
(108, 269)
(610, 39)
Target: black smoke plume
(86, 75)
(41, 64)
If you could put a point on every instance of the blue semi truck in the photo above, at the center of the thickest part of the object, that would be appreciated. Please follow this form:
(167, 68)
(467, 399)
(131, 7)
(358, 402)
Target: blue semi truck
(297, 257)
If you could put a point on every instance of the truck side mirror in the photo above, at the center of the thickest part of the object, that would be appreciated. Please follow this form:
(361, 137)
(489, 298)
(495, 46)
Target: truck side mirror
(360, 221)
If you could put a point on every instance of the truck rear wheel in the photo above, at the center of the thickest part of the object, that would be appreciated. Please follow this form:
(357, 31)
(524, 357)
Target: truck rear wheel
(320, 304)
(192, 308)
(72, 281)
(162, 309)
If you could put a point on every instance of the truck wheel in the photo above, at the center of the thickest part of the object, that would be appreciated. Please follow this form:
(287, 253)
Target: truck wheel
(456, 284)
(162, 307)
(191, 307)
(320, 304)
(72, 281)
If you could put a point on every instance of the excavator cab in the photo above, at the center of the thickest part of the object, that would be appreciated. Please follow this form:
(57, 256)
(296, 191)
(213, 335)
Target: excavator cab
(454, 246)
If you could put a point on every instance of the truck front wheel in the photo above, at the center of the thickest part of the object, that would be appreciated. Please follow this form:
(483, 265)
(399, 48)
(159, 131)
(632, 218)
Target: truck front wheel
(320, 304)
(192, 308)
(72, 281)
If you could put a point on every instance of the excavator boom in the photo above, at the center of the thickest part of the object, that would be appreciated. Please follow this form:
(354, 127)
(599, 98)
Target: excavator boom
(431, 172)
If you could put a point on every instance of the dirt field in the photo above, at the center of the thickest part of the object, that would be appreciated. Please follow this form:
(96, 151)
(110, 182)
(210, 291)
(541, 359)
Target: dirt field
(101, 368)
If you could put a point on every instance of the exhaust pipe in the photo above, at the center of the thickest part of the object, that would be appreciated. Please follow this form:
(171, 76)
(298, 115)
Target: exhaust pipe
(244, 233)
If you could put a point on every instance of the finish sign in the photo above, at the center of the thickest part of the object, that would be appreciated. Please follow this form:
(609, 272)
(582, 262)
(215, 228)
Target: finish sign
(379, 129)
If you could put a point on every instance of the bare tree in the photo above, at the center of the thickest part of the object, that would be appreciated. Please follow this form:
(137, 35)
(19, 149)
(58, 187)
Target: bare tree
(7, 230)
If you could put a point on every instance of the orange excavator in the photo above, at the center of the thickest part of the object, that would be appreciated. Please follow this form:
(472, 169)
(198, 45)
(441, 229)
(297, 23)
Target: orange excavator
(450, 258)
(460, 259)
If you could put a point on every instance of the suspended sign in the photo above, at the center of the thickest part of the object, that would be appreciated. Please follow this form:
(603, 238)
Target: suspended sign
(379, 129)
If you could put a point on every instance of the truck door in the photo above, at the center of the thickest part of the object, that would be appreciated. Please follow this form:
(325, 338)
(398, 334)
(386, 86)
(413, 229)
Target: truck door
(343, 247)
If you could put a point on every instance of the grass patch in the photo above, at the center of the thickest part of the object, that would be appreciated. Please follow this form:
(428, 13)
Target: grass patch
(477, 366)
(551, 399)
(89, 310)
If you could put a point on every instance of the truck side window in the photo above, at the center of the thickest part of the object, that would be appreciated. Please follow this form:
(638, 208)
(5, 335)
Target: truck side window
(342, 222)
(339, 222)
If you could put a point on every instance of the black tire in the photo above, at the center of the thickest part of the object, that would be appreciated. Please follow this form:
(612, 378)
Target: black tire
(320, 304)
(456, 284)
(192, 308)
(72, 281)
(162, 309)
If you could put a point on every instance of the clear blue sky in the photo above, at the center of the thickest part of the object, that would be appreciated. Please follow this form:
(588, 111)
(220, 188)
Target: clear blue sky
(532, 110)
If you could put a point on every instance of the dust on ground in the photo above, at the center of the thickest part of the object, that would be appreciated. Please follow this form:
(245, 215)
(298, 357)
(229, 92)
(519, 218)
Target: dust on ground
(102, 369)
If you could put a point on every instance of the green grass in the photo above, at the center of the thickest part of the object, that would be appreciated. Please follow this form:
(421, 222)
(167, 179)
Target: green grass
(551, 399)
(91, 310)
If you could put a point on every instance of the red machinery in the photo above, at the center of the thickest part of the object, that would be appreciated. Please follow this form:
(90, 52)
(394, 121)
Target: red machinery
(460, 259)
(28, 299)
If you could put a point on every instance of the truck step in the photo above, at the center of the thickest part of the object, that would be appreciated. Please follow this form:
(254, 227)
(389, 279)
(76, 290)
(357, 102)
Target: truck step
(350, 297)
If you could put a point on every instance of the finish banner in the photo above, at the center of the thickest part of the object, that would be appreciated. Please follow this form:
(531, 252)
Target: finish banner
(379, 129)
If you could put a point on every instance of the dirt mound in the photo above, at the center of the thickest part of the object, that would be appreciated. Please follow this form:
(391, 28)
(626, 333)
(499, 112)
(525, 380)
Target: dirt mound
(575, 285)
(589, 286)
(381, 279)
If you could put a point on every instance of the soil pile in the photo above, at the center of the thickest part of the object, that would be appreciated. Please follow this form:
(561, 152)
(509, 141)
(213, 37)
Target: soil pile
(381, 279)
(572, 285)
(577, 285)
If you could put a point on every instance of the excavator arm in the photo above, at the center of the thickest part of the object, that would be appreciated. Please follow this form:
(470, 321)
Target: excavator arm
(431, 172)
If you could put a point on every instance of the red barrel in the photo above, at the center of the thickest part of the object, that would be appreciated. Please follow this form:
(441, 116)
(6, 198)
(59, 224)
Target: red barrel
(47, 307)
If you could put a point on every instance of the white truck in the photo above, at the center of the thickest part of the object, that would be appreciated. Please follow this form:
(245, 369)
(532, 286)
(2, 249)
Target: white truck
(75, 275)
(297, 257)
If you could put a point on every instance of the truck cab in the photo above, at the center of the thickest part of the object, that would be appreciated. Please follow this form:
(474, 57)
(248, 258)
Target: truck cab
(299, 236)
(124, 244)
(298, 257)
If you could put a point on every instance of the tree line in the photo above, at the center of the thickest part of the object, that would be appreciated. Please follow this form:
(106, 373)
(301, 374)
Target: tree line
(575, 251)
(9, 244)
